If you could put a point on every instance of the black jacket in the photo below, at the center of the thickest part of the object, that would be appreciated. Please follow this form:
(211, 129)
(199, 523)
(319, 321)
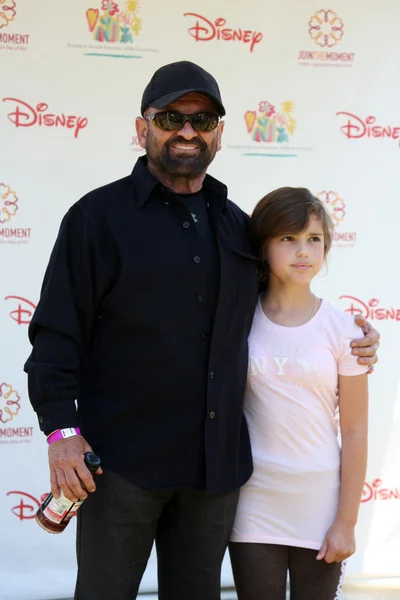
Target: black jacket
(124, 327)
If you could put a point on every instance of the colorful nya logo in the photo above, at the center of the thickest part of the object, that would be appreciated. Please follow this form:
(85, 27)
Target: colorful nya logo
(8, 203)
(113, 25)
(268, 125)
(326, 28)
(7, 12)
(335, 205)
(9, 403)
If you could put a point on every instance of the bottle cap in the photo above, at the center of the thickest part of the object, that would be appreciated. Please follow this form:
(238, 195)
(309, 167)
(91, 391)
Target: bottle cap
(92, 461)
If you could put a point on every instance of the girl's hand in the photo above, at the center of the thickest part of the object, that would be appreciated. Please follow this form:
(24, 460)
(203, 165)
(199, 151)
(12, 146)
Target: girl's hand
(339, 543)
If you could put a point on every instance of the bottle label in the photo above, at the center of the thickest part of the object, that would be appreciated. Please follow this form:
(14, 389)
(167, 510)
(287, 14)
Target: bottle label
(60, 509)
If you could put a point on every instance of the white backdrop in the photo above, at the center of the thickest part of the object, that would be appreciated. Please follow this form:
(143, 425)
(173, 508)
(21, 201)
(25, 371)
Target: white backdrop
(312, 96)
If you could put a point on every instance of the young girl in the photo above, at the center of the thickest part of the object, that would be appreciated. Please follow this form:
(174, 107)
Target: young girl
(298, 511)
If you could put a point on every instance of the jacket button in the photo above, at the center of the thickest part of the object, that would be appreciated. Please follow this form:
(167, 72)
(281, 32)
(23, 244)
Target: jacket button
(204, 337)
(40, 419)
(186, 225)
(212, 415)
(200, 298)
(196, 259)
(212, 375)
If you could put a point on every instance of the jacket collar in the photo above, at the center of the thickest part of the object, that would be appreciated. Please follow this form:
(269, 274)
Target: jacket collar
(145, 184)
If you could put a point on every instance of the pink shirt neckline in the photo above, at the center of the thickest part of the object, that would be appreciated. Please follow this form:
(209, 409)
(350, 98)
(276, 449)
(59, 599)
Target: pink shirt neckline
(316, 316)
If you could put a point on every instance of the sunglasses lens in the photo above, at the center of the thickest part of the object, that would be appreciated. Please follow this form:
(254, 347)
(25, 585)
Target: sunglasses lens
(170, 121)
(204, 121)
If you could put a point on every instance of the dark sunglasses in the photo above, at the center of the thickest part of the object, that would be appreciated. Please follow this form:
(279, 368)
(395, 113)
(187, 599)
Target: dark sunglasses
(174, 121)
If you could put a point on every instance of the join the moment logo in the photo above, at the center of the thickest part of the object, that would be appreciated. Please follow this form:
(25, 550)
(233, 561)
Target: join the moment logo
(357, 128)
(9, 403)
(135, 144)
(8, 203)
(8, 209)
(10, 406)
(336, 207)
(326, 30)
(14, 41)
(114, 24)
(7, 12)
(205, 30)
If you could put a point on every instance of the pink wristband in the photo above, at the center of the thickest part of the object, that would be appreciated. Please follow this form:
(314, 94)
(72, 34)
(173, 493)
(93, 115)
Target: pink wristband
(61, 434)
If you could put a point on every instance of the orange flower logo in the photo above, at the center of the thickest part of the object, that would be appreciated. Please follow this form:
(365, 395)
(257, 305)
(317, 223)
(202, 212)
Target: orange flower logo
(9, 403)
(7, 12)
(335, 205)
(8, 202)
(326, 28)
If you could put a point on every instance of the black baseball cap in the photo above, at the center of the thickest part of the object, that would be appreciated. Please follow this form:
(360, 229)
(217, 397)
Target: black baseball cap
(178, 79)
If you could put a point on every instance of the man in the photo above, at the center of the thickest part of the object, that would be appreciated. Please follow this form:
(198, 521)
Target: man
(145, 310)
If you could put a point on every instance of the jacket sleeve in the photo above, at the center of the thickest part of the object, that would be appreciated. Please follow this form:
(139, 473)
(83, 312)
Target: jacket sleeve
(61, 327)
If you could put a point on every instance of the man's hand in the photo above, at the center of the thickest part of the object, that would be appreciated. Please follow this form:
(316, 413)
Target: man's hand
(67, 468)
(366, 347)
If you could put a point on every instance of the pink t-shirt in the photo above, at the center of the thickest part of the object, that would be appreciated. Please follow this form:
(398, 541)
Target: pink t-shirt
(290, 407)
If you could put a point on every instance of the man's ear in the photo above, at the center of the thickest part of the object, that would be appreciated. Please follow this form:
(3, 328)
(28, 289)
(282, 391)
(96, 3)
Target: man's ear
(219, 134)
(142, 128)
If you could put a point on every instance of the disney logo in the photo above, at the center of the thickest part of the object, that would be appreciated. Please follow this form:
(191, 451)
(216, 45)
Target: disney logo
(371, 310)
(24, 311)
(204, 31)
(27, 505)
(25, 115)
(373, 491)
(358, 128)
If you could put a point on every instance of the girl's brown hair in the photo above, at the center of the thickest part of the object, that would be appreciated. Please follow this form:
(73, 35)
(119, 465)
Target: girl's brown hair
(284, 211)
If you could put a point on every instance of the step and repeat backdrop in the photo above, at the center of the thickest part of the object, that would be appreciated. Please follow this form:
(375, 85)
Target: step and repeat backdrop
(312, 96)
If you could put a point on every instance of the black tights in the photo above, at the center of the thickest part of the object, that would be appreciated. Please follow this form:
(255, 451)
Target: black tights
(260, 573)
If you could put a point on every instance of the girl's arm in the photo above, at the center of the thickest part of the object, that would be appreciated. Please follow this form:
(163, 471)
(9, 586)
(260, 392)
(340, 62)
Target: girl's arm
(339, 542)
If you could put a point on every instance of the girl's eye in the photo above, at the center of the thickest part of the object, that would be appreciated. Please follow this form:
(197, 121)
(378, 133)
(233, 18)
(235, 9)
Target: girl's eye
(287, 238)
(315, 239)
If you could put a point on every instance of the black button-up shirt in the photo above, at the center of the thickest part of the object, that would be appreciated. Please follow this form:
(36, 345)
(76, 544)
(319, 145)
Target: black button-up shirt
(127, 326)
